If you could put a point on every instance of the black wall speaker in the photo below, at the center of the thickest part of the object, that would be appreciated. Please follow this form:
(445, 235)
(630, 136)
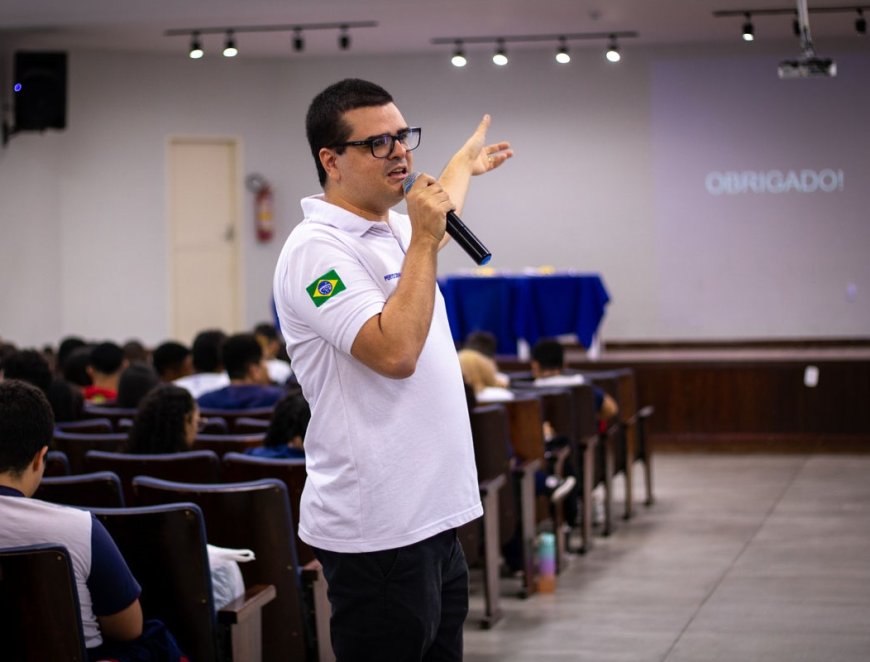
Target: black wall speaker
(39, 91)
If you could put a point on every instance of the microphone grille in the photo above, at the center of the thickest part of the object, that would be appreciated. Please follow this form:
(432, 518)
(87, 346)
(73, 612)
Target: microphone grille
(409, 181)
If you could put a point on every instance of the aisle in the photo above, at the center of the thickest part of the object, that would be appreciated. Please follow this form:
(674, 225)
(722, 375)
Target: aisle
(742, 558)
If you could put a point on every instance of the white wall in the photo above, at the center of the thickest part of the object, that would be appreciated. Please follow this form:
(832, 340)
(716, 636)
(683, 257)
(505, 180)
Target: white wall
(83, 241)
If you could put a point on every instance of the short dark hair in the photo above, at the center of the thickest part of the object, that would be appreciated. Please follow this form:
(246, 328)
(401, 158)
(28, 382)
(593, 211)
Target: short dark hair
(66, 347)
(135, 351)
(325, 124)
(29, 366)
(26, 425)
(134, 384)
(240, 351)
(159, 426)
(107, 358)
(484, 342)
(75, 366)
(549, 354)
(169, 356)
(207, 355)
(267, 330)
(289, 420)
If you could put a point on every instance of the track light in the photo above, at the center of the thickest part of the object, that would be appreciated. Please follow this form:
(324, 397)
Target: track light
(748, 29)
(344, 39)
(500, 57)
(230, 49)
(298, 40)
(562, 55)
(861, 23)
(458, 59)
(612, 53)
(196, 51)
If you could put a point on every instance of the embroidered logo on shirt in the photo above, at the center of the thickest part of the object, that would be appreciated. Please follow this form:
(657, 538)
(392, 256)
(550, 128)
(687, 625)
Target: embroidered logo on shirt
(325, 287)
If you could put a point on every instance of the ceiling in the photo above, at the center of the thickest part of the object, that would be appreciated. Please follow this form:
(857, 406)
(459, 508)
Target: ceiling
(404, 26)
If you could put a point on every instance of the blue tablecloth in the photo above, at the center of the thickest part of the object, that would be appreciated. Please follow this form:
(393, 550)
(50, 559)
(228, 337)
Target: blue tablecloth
(528, 307)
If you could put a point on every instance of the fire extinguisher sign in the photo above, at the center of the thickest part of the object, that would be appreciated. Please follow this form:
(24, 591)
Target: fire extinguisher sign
(264, 223)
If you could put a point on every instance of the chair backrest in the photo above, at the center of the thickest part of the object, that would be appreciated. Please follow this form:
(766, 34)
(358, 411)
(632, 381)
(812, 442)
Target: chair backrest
(228, 443)
(253, 515)
(98, 425)
(238, 468)
(56, 464)
(101, 489)
(165, 547)
(490, 434)
(232, 415)
(114, 414)
(190, 466)
(246, 425)
(526, 420)
(39, 605)
(77, 444)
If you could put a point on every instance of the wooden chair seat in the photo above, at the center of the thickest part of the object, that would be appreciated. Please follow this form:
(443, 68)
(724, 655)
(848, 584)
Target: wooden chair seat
(40, 618)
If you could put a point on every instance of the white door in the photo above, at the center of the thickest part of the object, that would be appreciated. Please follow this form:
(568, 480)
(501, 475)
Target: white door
(204, 191)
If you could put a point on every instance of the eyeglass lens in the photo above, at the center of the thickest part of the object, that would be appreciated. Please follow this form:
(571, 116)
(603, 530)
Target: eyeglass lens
(383, 146)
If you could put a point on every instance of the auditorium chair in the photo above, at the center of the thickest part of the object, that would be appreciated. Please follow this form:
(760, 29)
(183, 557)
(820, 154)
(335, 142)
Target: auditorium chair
(101, 489)
(232, 415)
(240, 468)
(227, 443)
(110, 412)
(253, 515)
(190, 466)
(92, 425)
(165, 548)
(56, 464)
(76, 445)
(40, 618)
(246, 425)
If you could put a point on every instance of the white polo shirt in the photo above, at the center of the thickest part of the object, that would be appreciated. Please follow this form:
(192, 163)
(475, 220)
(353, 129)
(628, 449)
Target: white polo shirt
(390, 462)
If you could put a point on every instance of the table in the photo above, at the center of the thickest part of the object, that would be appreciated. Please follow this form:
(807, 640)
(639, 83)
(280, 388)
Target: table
(525, 307)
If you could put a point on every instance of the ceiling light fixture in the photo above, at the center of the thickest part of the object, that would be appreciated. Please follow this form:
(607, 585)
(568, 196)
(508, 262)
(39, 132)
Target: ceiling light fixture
(344, 39)
(748, 28)
(612, 53)
(562, 55)
(230, 49)
(458, 59)
(298, 40)
(500, 57)
(195, 51)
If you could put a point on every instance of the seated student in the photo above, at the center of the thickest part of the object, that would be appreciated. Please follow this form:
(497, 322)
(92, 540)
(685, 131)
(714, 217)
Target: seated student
(548, 365)
(137, 380)
(480, 372)
(172, 361)
(208, 368)
(106, 363)
(286, 432)
(486, 343)
(249, 387)
(108, 592)
(167, 422)
(135, 352)
(31, 366)
(272, 344)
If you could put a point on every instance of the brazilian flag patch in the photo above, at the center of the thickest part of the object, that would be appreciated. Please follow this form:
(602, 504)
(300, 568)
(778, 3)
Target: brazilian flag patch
(325, 287)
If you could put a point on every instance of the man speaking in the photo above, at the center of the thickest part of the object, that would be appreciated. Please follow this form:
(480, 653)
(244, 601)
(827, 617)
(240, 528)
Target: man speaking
(388, 450)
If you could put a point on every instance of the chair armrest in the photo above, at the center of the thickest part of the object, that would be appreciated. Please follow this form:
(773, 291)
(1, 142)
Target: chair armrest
(492, 485)
(242, 609)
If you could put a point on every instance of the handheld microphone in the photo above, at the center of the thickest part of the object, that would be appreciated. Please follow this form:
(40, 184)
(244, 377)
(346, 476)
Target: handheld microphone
(458, 230)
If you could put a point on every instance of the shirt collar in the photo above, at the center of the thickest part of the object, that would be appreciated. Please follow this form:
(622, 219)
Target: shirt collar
(318, 210)
(10, 491)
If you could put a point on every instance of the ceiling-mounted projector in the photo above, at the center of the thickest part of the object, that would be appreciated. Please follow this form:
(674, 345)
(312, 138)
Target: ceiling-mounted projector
(809, 65)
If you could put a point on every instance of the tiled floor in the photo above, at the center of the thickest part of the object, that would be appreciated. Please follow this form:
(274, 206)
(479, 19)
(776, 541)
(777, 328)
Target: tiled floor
(742, 558)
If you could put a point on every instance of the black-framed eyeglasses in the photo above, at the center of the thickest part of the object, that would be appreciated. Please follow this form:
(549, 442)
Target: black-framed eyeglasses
(383, 146)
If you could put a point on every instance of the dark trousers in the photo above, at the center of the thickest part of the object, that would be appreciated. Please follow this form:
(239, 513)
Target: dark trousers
(407, 603)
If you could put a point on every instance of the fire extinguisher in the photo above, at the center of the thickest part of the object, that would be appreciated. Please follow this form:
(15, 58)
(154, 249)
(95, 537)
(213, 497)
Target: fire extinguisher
(263, 203)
